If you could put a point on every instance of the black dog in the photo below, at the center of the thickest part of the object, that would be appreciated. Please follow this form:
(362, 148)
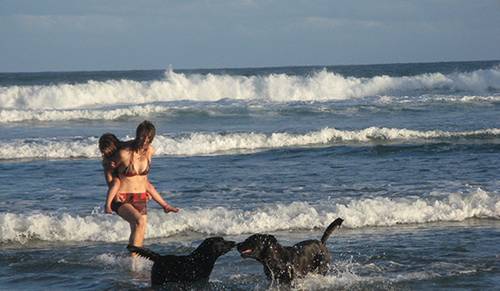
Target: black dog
(196, 266)
(283, 264)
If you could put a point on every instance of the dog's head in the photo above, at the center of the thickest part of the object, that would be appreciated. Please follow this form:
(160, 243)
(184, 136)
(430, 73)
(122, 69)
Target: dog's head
(256, 245)
(216, 246)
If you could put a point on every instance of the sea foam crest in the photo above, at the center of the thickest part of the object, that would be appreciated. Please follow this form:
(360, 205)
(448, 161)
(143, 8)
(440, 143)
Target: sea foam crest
(320, 86)
(220, 220)
(218, 108)
(15, 115)
(221, 143)
(213, 143)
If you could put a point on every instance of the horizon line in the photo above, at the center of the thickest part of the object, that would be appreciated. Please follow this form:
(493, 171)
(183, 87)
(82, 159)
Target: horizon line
(243, 68)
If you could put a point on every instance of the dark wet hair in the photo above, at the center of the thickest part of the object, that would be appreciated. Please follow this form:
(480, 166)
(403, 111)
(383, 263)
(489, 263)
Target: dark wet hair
(145, 133)
(108, 145)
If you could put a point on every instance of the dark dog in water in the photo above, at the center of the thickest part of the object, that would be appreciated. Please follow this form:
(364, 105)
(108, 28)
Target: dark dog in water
(196, 266)
(283, 264)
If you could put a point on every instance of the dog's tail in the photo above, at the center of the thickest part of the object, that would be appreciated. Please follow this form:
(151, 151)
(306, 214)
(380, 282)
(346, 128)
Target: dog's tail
(336, 223)
(143, 252)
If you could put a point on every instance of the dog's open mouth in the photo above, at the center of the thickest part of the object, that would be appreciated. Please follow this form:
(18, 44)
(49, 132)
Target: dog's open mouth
(246, 252)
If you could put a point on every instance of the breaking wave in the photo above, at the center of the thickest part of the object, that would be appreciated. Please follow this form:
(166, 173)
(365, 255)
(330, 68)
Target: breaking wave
(235, 107)
(370, 212)
(196, 144)
(320, 86)
(15, 115)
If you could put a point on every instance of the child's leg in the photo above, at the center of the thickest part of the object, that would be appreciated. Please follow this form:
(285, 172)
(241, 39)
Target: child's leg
(112, 191)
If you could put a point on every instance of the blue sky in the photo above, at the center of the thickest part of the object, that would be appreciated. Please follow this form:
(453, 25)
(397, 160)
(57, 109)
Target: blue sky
(60, 35)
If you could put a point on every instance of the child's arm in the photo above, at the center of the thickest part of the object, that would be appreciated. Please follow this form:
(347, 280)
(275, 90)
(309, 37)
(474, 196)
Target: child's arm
(108, 175)
(110, 165)
(114, 186)
(157, 197)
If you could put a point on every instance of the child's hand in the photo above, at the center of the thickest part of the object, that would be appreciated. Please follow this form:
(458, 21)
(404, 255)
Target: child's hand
(169, 208)
(107, 209)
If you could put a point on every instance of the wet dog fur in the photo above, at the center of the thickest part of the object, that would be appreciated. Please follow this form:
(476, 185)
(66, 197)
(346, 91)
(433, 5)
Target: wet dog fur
(282, 264)
(194, 267)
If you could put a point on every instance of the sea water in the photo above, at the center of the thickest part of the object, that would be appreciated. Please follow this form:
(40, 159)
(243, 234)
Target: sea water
(407, 154)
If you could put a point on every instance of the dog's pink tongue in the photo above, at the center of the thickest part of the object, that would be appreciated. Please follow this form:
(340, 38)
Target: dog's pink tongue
(246, 251)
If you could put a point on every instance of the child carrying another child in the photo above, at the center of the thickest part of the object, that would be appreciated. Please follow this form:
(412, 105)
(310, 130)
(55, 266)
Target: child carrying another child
(126, 166)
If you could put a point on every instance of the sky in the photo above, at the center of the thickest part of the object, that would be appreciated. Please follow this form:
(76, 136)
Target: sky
(71, 35)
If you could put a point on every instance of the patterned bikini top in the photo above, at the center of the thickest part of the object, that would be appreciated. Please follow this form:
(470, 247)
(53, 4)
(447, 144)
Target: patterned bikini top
(129, 171)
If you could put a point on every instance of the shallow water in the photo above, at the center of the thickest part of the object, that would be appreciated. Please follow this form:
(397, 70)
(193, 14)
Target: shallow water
(406, 154)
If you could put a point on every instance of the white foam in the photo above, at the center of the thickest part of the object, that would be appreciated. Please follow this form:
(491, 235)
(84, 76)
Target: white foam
(195, 144)
(320, 86)
(430, 98)
(219, 220)
(339, 281)
(125, 262)
(350, 280)
(345, 276)
(342, 275)
(122, 112)
(388, 212)
(14, 115)
(50, 148)
(470, 99)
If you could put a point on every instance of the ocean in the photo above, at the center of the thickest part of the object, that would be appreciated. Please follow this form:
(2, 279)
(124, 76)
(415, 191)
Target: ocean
(407, 154)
